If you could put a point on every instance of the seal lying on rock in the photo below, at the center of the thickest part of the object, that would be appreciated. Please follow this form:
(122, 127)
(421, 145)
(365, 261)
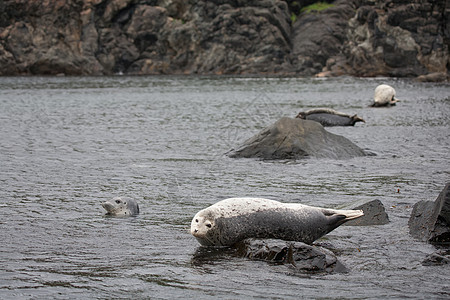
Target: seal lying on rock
(384, 96)
(329, 117)
(121, 207)
(235, 219)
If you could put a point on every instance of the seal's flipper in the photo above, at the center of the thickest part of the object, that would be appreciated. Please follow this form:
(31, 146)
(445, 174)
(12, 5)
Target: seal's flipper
(335, 221)
(338, 217)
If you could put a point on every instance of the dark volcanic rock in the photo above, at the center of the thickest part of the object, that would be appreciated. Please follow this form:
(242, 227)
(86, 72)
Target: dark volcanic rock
(320, 36)
(395, 38)
(374, 214)
(294, 139)
(430, 221)
(352, 37)
(144, 37)
(301, 256)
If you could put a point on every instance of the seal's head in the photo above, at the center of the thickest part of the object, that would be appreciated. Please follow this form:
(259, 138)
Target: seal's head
(301, 115)
(121, 207)
(355, 119)
(203, 227)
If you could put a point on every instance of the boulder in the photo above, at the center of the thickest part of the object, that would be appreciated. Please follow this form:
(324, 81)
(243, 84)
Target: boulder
(374, 214)
(430, 221)
(290, 138)
(299, 255)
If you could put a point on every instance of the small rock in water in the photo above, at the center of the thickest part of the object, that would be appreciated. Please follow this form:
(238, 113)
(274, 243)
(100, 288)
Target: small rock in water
(440, 257)
(374, 214)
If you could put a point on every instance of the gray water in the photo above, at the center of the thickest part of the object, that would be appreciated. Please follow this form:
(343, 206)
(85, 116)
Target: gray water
(66, 144)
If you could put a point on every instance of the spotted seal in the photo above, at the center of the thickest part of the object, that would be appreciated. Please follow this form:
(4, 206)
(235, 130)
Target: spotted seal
(384, 96)
(232, 220)
(121, 207)
(329, 117)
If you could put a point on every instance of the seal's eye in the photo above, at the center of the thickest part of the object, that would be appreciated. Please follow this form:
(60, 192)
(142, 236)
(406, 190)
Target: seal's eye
(196, 220)
(208, 225)
(117, 201)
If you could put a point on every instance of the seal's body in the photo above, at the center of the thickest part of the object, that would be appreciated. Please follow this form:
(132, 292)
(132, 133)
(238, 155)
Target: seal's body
(121, 207)
(384, 96)
(232, 220)
(329, 117)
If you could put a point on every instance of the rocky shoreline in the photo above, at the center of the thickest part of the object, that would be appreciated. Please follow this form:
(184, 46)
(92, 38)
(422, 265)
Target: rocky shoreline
(104, 37)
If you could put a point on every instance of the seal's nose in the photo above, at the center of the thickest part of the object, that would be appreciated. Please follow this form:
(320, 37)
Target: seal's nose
(195, 230)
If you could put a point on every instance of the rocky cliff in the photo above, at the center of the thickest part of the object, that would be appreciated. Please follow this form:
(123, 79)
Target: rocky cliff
(352, 37)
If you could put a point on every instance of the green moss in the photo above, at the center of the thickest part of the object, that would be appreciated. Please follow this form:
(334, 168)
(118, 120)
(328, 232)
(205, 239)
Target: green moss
(293, 18)
(316, 7)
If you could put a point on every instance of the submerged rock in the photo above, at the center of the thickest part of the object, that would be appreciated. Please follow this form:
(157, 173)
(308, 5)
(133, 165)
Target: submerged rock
(430, 221)
(440, 257)
(295, 138)
(374, 214)
(300, 255)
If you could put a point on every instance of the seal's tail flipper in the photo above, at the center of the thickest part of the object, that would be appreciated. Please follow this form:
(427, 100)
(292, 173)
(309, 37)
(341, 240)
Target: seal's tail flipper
(339, 217)
(351, 214)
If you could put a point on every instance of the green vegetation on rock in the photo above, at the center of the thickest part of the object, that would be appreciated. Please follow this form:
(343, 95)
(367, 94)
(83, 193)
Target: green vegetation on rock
(293, 18)
(316, 7)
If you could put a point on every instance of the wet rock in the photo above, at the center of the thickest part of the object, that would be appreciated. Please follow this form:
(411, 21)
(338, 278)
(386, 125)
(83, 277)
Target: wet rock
(433, 77)
(301, 256)
(440, 257)
(295, 138)
(374, 214)
(430, 221)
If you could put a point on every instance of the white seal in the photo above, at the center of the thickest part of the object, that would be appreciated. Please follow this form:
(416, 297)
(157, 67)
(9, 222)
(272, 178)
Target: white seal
(384, 96)
(232, 220)
(121, 207)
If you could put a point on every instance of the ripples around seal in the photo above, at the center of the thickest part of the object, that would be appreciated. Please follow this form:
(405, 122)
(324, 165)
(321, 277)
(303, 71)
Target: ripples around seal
(67, 144)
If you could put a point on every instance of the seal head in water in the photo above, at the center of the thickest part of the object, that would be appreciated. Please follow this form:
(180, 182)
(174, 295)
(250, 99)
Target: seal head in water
(121, 207)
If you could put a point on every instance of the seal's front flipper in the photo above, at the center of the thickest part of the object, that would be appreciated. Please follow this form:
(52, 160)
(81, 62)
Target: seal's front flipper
(338, 217)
